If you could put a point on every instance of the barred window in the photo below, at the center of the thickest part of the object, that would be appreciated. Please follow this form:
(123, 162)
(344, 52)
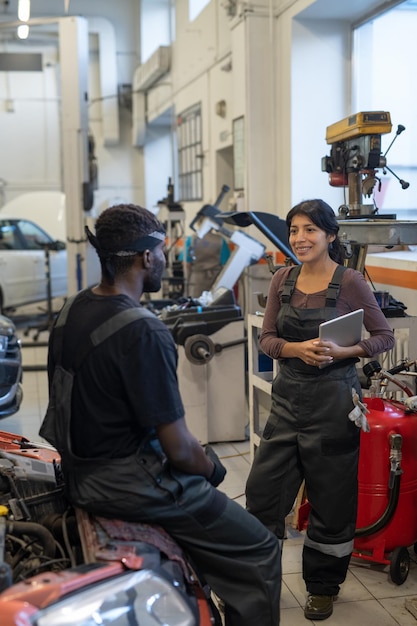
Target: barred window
(190, 154)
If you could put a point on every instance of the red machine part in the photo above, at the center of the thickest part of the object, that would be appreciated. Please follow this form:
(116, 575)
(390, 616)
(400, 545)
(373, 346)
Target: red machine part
(386, 502)
(388, 545)
(338, 179)
(16, 444)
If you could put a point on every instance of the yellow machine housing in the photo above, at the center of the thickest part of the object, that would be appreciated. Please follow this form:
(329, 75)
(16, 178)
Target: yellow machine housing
(365, 123)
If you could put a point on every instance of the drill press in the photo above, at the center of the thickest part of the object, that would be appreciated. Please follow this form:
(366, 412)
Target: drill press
(355, 157)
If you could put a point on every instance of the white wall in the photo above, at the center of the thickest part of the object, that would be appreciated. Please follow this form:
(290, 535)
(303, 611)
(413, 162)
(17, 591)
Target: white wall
(320, 90)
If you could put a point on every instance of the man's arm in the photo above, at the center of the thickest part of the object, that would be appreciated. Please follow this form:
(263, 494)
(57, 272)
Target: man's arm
(183, 450)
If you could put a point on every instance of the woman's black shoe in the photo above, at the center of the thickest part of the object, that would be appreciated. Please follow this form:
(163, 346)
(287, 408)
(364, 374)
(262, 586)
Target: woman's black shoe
(318, 607)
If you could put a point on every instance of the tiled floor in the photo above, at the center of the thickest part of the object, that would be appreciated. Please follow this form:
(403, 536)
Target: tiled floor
(367, 598)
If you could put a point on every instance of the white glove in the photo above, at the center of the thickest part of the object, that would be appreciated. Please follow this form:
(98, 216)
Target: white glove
(411, 403)
(358, 413)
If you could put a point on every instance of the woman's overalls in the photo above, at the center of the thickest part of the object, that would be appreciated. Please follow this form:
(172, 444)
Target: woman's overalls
(309, 436)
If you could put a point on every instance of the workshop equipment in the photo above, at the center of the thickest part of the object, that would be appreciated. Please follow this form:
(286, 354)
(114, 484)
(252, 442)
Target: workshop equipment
(210, 331)
(386, 523)
(210, 335)
(211, 343)
(246, 250)
(387, 498)
(172, 216)
(355, 156)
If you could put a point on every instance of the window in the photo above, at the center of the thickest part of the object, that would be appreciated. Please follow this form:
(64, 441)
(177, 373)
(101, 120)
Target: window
(190, 154)
(382, 81)
(35, 237)
(9, 238)
(157, 26)
(195, 7)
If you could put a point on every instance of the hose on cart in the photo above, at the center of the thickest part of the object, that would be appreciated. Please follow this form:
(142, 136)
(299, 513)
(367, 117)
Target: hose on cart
(393, 485)
(386, 516)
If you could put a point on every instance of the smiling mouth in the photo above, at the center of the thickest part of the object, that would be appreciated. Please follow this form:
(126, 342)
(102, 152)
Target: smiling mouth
(302, 249)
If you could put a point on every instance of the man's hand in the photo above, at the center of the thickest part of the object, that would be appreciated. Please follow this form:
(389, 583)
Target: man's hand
(185, 453)
(219, 471)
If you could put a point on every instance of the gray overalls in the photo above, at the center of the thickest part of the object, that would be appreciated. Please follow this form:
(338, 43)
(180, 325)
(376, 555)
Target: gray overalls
(308, 436)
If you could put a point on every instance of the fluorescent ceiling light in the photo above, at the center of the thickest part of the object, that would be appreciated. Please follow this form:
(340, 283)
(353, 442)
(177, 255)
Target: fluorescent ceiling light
(23, 10)
(23, 31)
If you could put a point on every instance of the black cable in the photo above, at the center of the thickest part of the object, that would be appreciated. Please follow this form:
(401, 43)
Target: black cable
(365, 271)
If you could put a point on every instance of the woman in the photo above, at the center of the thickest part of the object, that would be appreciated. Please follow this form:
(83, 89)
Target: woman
(309, 434)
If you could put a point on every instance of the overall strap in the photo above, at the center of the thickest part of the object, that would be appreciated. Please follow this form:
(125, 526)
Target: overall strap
(100, 334)
(63, 314)
(108, 328)
(59, 329)
(334, 286)
(332, 289)
(289, 284)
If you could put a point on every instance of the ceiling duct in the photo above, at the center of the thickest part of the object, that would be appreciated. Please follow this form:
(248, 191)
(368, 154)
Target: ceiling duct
(153, 69)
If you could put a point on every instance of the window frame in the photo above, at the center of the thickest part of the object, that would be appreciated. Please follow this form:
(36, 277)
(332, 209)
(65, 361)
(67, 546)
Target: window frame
(190, 153)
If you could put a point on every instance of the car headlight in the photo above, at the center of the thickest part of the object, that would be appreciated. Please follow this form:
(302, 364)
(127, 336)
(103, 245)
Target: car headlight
(140, 597)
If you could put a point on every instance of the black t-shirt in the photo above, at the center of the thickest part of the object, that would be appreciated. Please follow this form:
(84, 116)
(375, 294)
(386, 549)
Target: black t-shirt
(126, 386)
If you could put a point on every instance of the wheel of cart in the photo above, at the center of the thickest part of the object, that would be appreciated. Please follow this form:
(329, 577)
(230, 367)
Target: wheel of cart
(399, 565)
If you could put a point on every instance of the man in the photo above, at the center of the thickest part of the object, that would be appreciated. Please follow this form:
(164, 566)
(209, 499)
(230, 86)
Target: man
(129, 452)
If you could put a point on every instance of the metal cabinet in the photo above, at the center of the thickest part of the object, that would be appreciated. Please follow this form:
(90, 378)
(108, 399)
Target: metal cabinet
(259, 382)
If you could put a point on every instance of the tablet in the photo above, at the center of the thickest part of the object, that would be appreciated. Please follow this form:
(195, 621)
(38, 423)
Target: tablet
(345, 330)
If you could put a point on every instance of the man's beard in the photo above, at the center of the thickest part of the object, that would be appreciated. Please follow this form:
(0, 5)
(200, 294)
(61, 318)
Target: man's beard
(153, 282)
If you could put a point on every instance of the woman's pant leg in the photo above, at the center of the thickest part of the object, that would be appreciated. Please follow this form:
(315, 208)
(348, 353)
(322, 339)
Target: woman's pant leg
(276, 475)
(329, 449)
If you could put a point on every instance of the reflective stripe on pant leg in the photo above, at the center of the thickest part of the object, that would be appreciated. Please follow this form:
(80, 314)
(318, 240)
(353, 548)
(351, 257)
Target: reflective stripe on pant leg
(336, 549)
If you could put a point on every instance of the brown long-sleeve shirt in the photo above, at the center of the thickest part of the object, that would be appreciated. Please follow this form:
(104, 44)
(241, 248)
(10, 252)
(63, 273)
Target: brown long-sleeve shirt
(355, 293)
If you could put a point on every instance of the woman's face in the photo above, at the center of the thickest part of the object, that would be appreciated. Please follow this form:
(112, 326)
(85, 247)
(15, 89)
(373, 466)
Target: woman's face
(308, 241)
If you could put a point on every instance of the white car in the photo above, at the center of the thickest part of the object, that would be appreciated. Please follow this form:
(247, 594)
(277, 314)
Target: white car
(23, 267)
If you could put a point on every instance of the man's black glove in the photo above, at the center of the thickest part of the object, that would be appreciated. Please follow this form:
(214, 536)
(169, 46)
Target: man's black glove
(219, 471)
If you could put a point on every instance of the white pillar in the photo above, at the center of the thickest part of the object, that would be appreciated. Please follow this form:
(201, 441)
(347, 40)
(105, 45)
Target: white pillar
(73, 49)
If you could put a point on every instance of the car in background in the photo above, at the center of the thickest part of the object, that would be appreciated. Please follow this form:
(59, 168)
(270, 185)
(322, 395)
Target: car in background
(47, 210)
(24, 248)
(10, 368)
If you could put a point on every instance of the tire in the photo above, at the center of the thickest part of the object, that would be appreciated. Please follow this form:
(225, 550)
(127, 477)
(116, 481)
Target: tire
(399, 566)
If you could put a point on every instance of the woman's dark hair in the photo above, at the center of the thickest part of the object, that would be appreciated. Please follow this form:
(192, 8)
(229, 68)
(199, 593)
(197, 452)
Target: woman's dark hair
(323, 216)
(116, 228)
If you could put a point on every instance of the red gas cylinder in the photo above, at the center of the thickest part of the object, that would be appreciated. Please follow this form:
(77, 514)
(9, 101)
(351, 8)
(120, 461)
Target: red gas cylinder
(387, 491)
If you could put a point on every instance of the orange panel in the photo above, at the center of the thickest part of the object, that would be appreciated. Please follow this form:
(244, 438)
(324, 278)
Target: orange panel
(397, 278)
